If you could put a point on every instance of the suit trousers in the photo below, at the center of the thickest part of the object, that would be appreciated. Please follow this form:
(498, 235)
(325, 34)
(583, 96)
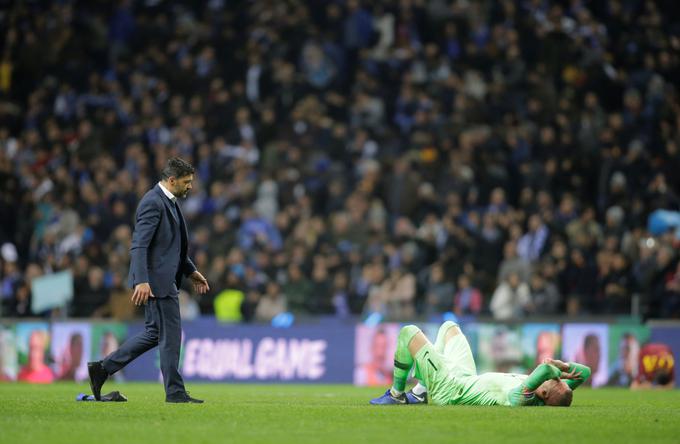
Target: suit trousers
(162, 328)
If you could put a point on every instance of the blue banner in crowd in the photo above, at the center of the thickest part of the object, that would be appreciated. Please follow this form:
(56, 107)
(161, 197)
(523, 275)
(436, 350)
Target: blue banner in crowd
(212, 351)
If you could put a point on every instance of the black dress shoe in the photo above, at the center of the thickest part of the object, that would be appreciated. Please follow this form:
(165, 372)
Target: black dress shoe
(98, 377)
(184, 398)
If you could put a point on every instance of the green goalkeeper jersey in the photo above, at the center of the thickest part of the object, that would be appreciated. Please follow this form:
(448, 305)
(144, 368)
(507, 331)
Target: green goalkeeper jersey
(510, 389)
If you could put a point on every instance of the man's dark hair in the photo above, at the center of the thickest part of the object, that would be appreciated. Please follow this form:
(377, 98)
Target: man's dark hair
(176, 168)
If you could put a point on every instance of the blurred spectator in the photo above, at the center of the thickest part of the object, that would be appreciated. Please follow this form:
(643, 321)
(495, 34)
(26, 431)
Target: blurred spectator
(661, 272)
(671, 304)
(544, 295)
(118, 306)
(584, 232)
(340, 297)
(298, 290)
(531, 245)
(438, 292)
(20, 305)
(8, 285)
(272, 303)
(228, 303)
(468, 299)
(580, 283)
(614, 285)
(318, 68)
(320, 299)
(511, 299)
(188, 307)
(512, 263)
(395, 297)
(248, 307)
(91, 295)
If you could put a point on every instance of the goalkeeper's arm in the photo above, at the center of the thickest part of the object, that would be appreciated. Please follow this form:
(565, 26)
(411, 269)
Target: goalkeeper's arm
(574, 373)
(541, 374)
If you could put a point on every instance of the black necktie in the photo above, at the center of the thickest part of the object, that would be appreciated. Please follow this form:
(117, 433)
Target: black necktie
(175, 209)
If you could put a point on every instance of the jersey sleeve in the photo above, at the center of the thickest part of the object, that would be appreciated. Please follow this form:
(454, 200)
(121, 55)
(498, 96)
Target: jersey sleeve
(541, 374)
(585, 374)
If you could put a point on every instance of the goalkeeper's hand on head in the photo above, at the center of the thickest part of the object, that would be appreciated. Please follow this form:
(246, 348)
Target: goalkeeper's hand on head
(563, 366)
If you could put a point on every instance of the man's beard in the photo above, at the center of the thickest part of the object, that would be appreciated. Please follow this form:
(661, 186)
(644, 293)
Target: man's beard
(181, 194)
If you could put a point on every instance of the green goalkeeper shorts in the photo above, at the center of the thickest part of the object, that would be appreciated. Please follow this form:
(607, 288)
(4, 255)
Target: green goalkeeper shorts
(444, 373)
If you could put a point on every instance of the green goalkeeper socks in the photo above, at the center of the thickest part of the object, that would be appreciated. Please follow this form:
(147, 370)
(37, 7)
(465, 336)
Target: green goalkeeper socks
(403, 361)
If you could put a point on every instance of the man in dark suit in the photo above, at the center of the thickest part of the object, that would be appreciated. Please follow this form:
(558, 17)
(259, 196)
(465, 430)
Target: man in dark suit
(158, 261)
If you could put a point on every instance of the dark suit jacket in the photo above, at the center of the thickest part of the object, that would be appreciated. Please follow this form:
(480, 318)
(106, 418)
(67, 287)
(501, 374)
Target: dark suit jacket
(158, 254)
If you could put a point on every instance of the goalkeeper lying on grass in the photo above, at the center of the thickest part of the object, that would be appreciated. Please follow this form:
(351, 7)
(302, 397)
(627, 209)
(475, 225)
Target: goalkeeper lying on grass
(447, 375)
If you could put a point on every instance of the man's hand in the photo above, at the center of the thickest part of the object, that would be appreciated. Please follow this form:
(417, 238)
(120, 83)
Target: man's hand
(571, 375)
(561, 365)
(199, 282)
(142, 293)
(564, 368)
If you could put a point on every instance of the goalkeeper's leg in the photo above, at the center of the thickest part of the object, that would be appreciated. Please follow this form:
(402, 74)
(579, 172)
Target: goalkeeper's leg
(457, 350)
(446, 333)
(410, 341)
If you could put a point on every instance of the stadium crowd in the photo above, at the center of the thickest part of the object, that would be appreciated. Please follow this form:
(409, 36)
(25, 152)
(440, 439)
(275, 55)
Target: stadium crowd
(406, 158)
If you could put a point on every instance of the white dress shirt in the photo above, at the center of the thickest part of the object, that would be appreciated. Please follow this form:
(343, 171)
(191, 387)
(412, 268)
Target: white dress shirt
(167, 192)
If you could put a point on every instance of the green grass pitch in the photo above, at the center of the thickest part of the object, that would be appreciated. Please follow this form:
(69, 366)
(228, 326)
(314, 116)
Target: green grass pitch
(324, 414)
